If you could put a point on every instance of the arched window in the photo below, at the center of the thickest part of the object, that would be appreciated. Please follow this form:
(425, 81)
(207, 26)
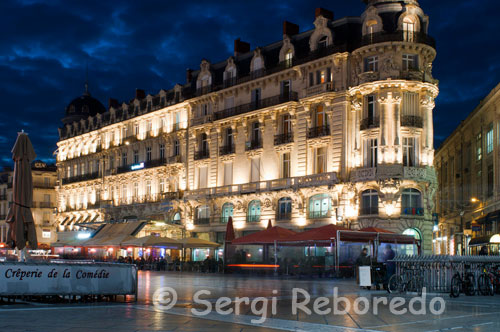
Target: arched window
(288, 58)
(227, 211)
(369, 202)
(411, 202)
(319, 205)
(202, 215)
(174, 217)
(322, 43)
(253, 214)
(284, 208)
(409, 28)
(413, 232)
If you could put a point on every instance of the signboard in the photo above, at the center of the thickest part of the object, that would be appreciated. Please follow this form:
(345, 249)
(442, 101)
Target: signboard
(365, 279)
(18, 278)
(137, 166)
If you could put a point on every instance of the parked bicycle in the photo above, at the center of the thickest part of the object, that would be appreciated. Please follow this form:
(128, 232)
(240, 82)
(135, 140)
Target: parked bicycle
(411, 281)
(463, 283)
(489, 281)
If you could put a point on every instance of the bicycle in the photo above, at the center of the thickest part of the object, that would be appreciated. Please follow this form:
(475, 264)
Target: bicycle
(488, 281)
(410, 281)
(463, 283)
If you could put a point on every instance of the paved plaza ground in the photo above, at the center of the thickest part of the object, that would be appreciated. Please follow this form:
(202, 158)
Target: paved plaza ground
(476, 313)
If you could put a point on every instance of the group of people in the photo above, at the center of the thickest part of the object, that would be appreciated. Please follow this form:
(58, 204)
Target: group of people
(390, 267)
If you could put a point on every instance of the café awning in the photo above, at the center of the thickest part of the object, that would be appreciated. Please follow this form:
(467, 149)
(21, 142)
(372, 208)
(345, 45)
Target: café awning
(192, 242)
(115, 234)
(321, 235)
(153, 241)
(267, 236)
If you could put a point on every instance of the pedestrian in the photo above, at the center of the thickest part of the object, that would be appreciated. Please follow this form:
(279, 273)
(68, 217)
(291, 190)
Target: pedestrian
(483, 251)
(389, 264)
(362, 260)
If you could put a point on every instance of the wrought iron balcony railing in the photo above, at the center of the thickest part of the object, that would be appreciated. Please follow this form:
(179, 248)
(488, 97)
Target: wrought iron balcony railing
(369, 210)
(318, 131)
(202, 154)
(253, 145)
(398, 36)
(79, 178)
(226, 149)
(255, 105)
(412, 121)
(368, 123)
(283, 138)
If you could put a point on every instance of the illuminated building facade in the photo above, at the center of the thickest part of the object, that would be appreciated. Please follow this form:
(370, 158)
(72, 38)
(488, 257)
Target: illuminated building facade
(330, 125)
(468, 202)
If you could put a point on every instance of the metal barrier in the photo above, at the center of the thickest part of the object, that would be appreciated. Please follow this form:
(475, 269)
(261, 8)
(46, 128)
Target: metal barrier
(437, 270)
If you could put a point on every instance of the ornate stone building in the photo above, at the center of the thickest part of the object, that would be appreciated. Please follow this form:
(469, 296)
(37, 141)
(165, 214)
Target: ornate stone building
(44, 202)
(468, 203)
(330, 125)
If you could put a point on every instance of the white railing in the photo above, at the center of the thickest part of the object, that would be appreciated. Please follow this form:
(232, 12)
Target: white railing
(269, 185)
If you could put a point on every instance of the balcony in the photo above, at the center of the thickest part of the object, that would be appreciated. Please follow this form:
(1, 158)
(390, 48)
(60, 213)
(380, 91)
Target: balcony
(363, 174)
(398, 36)
(45, 205)
(369, 123)
(176, 159)
(286, 216)
(79, 178)
(202, 154)
(323, 179)
(226, 149)
(204, 90)
(412, 121)
(202, 221)
(201, 120)
(253, 218)
(42, 185)
(140, 165)
(320, 88)
(253, 145)
(369, 76)
(283, 138)
(262, 103)
(229, 82)
(319, 131)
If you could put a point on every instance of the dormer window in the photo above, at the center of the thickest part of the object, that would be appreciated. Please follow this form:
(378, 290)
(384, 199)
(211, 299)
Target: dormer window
(409, 28)
(371, 26)
(322, 43)
(288, 58)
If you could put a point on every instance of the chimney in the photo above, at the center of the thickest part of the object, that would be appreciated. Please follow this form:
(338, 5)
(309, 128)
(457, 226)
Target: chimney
(113, 103)
(140, 94)
(189, 75)
(240, 47)
(290, 28)
(323, 12)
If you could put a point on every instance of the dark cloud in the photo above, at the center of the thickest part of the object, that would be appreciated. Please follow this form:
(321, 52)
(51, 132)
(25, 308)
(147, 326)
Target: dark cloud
(46, 45)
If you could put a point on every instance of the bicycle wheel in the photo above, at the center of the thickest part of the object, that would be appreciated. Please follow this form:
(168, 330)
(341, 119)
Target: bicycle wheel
(394, 284)
(455, 286)
(414, 285)
(469, 284)
(484, 284)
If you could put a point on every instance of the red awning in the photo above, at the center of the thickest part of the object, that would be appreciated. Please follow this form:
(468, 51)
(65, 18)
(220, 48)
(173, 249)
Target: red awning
(357, 236)
(375, 230)
(267, 236)
(319, 235)
(397, 238)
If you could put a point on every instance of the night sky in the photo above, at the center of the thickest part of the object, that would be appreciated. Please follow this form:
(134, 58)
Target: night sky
(46, 45)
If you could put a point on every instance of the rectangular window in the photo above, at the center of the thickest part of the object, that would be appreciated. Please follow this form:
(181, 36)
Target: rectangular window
(285, 165)
(149, 153)
(162, 151)
(256, 132)
(177, 148)
(124, 191)
(177, 124)
(479, 151)
(202, 177)
(371, 63)
(410, 62)
(68, 172)
(409, 155)
(136, 156)
(285, 88)
(148, 188)
(124, 159)
(136, 129)
(320, 160)
(75, 170)
(370, 108)
(255, 170)
(410, 105)
(311, 78)
(228, 173)
(256, 95)
(286, 124)
(490, 180)
(371, 149)
(162, 185)
(489, 139)
(149, 125)
(136, 189)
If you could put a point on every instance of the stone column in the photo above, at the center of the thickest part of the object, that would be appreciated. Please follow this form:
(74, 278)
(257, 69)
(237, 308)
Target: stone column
(388, 126)
(356, 111)
(426, 107)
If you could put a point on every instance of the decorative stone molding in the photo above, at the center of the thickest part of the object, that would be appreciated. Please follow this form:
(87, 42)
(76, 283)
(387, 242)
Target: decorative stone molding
(254, 153)
(368, 76)
(321, 29)
(363, 174)
(391, 98)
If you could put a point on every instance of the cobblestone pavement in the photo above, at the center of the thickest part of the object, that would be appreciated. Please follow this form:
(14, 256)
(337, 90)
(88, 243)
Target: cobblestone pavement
(477, 313)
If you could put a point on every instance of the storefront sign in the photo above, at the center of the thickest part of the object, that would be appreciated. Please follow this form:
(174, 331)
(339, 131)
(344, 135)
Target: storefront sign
(137, 166)
(67, 279)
